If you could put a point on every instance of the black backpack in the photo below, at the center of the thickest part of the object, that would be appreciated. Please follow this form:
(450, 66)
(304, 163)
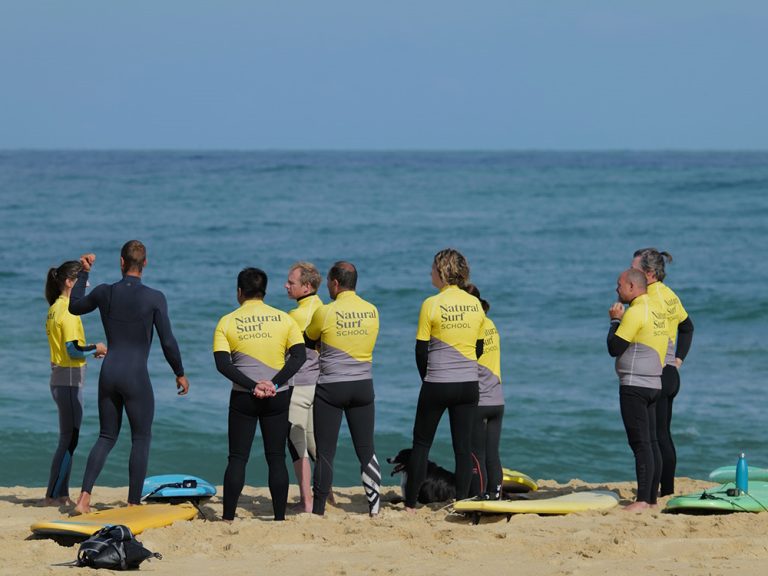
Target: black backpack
(113, 547)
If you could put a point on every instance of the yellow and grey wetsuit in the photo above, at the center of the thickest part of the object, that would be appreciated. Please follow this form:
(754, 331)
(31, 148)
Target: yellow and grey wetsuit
(680, 329)
(66, 341)
(347, 329)
(249, 345)
(451, 330)
(486, 432)
(639, 343)
(302, 436)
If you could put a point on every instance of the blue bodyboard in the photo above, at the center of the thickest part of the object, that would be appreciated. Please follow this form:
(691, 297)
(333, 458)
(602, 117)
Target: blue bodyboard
(176, 487)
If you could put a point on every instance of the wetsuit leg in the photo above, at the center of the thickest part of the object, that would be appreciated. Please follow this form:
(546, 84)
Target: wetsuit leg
(327, 413)
(140, 408)
(360, 415)
(429, 410)
(69, 401)
(110, 421)
(670, 385)
(462, 417)
(243, 417)
(636, 403)
(486, 438)
(275, 427)
(300, 415)
(492, 457)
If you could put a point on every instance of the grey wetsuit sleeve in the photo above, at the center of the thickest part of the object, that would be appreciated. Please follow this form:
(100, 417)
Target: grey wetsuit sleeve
(230, 372)
(297, 354)
(684, 338)
(616, 345)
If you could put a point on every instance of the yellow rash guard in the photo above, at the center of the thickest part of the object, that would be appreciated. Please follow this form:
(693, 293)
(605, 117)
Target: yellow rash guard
(257, 337)
(489, 366)
(63, 327)
(452, 322)
(302, 314)
(644, 327)
(347, 329)
(670, 303)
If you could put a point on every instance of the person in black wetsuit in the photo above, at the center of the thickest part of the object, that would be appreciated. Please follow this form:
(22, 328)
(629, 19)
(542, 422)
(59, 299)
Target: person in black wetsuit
(129, 311)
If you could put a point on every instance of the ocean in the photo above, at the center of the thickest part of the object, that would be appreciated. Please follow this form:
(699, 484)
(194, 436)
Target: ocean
(546, 235)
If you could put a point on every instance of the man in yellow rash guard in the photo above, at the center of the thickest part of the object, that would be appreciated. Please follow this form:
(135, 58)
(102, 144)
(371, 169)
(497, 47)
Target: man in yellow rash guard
(449, 340)
(680, 327)
(249, 347)
(301, 285)
(637, 339)
(346, 329)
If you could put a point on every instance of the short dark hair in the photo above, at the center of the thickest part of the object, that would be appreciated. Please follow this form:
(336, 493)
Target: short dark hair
(134, 254)
(252, 282)
(637, 277)
(345, 273)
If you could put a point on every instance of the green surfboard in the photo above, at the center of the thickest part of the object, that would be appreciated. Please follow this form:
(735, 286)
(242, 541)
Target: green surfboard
(728, 474)
(722, 499)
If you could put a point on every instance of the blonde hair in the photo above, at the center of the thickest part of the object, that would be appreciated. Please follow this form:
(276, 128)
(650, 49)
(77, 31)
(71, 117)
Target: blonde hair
(308, 274)
(452, 267)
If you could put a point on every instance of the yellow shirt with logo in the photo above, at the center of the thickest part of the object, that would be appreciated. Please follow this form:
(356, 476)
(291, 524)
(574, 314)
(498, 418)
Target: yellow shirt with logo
(347, 329)
(644, 327)
(62, 327)
(670, 303)
(452, 322)
(257, 337)
(302, 314)
(489, 365)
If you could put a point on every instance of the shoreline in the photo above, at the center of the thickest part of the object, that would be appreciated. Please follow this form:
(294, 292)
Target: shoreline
(432, 541)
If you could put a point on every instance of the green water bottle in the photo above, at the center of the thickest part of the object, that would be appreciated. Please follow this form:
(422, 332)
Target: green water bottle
(742, 475)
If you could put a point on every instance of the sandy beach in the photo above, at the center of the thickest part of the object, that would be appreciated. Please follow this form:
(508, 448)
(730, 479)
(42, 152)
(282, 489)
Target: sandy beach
(432, 541)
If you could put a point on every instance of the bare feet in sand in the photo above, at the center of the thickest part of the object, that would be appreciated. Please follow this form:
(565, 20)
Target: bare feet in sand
(83, 505)
(637, 507)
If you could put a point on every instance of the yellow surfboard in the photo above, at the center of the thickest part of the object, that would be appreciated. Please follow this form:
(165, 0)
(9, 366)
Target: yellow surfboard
(137, 518)
(517, 482)
(575, 502)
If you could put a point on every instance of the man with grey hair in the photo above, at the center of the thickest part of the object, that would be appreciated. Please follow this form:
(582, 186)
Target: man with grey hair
(302, 285)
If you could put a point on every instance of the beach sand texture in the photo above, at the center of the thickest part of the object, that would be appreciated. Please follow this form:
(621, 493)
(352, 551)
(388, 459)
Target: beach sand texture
(432, 541)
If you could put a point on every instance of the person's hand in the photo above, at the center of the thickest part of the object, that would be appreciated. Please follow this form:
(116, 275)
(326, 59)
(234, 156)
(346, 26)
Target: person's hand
(101, 350)
(182, 385)
(87, 261)
(678, 362)
(616, 311)
(264, 389)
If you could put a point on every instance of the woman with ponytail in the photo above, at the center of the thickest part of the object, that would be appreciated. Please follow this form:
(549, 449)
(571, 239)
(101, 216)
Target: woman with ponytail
(486, 433)
(449, 340)
(66, 339)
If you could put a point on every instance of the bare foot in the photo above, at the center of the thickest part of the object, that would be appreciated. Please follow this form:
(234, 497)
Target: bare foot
(637, 507)
(410, 510)
(83, 505)
(300, 507)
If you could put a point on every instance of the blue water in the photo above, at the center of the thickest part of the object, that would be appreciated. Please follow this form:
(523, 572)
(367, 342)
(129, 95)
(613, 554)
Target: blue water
(546, 235)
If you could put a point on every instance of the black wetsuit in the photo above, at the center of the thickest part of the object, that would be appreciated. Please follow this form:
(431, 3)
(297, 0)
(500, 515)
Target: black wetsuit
(129, 310)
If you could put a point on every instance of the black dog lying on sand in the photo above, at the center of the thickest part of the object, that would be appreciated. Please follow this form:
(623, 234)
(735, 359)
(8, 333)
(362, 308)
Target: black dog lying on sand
(439, 485)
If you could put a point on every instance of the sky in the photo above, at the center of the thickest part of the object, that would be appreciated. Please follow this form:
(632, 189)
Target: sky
(416, 74)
